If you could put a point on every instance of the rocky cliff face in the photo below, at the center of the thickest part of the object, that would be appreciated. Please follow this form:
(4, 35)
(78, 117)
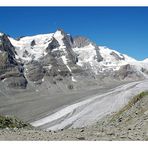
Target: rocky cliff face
(82, 42)
(63, 59)
(11, 71)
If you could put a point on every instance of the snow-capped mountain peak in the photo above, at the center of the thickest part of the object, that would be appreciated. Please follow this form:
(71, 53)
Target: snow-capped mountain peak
(60, 54)
(31, 47)
(59, 35)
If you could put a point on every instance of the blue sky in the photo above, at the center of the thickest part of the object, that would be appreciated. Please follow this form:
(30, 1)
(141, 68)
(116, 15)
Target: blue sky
(124, 29)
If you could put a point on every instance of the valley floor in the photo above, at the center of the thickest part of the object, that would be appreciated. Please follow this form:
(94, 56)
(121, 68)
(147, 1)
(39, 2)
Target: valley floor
(130, 123)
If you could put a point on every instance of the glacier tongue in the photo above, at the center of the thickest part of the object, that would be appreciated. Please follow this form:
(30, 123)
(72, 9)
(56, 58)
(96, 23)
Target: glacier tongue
(89, 111)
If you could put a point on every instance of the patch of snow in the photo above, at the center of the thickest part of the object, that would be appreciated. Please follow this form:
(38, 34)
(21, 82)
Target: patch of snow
(56, 49)
(17, 57)
(59, 37)
(4, 80)
(86, 54)
(129, 59)
(64, 59)
(68, 68)
(109, 60)
(145, 60)
(26, 69)
(73, 79)
(65, 62)
(1, 34)
(50, 66)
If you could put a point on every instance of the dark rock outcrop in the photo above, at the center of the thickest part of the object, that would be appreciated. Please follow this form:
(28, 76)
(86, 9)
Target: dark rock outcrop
(7, 48)
(52, 45)
(98, 55)
(144, 70)
(11, 71)
(127, 72)
(34, 71)
(33, 43)
(117, 57)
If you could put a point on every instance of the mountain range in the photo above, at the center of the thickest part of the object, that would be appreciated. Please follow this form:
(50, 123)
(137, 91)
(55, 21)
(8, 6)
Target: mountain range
(56, 81)
(60, 57)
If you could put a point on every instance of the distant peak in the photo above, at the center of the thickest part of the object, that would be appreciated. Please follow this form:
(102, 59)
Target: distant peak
(82, 37)
(81, 41)
(60, 34)
(61, 31)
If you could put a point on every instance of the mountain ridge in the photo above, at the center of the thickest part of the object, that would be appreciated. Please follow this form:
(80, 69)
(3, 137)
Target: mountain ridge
(60, 54)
